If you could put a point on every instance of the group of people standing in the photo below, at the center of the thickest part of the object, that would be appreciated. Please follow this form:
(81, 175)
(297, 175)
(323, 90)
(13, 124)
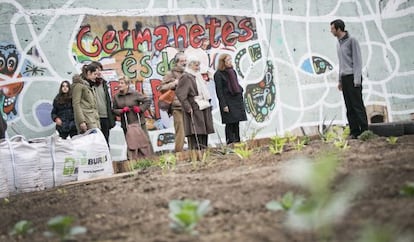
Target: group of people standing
(191, 108)
(86, 104)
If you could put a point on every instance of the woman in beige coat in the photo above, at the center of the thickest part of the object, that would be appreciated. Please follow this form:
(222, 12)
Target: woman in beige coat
(195, 99)
(84, 99)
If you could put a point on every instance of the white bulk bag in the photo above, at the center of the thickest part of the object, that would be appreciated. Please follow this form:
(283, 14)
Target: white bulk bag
(4, 190)
(57, 165)
(21, 164)
(92, 155)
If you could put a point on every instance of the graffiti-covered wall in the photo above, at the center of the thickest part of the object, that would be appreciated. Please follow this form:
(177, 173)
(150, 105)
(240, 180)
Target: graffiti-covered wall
(283, 52)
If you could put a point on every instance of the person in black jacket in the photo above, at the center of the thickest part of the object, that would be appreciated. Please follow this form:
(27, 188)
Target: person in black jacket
(3, 127)
(62, 112)
(230, 97)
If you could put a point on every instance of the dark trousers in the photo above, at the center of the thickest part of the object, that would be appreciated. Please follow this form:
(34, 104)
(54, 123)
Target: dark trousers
(199, 144)
(105, 128)
(232, 133)
(355, 109)
(71, 133)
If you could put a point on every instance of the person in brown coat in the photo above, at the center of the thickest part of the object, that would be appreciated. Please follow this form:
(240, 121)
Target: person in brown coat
(170, 82)
(129, 105)
(198, 121)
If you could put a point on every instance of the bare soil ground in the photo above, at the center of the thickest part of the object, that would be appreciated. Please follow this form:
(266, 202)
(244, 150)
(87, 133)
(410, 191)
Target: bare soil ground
(134, 206)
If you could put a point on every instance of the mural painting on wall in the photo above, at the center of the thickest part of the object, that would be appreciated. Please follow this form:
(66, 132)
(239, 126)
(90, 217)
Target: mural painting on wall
(11, 84)
(316, 65)
(142, 49)
(260, 97)
(13, 70)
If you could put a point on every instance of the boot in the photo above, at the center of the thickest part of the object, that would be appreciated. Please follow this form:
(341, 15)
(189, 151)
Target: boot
(179, 156)
(200, 154)
(194, 155)
(187, 155)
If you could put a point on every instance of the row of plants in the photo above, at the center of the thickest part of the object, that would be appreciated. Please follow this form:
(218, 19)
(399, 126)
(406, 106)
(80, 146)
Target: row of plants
(337, 136)
(60, 227)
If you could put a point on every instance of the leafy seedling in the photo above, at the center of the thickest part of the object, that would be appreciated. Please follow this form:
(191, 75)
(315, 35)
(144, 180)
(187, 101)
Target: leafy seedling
(277, 144)
(167, 162)
(367, 135)
(143, 164)
(21, 229)
(382, 233)
(242, 150)
(288, 201)
(300, 144)
(407, 189)
(185, 214)
(392, 140)
(322, 207)
(61, 227)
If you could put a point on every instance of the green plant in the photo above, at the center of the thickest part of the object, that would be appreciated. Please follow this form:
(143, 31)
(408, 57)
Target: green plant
(325, 129)
(341, 144)
(288, 201)
(290, 137)
(382, 233)
(142, 164)
(61, 191)
(277, 144)
(367, 135)
(185, 214)
(407, 189)
(338, 137)
(322, 207)
(61, 226)
(301, 143)
(242, 150)
(22, 229)
(392, 140)
(167, 162)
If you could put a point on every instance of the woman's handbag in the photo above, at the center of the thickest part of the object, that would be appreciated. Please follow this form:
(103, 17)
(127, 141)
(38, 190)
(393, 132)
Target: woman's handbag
(166, 99)
(202, 103)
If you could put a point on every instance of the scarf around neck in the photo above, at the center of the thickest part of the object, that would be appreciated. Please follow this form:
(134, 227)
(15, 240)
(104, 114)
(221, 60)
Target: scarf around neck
(233, 83)
(202, 88)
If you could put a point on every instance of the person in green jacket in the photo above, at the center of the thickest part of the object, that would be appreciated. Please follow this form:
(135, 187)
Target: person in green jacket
(84, 101)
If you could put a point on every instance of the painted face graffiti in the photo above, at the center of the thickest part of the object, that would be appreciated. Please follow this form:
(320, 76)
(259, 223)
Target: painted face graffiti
(9, 60)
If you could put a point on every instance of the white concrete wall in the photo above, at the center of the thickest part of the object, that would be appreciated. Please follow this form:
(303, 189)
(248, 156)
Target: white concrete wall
(290, 81)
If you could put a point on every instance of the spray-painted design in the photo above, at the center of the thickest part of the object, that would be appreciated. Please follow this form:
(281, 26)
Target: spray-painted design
(144, 54)
(317, 65)
(140, 43)
(9, 93)
(260, 97)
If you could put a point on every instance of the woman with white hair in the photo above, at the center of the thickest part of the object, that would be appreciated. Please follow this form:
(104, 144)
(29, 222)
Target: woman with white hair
(195, 100)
